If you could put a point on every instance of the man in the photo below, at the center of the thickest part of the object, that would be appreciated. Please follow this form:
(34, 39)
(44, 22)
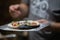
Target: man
(18, 10)
(39, 13)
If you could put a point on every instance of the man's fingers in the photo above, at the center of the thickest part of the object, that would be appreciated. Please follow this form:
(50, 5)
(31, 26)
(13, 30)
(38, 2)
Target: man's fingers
(13, 11)
(42, 21)
(16, 7)
(13, 7)
(15, 14)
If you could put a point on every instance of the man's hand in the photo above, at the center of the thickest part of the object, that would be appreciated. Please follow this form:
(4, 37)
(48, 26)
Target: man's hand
(14, 12)
(43, 21)
(53, 25)
(18, 10)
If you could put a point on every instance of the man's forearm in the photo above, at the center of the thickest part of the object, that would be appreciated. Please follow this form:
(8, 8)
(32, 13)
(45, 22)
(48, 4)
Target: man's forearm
(24, 9)
(55, 26)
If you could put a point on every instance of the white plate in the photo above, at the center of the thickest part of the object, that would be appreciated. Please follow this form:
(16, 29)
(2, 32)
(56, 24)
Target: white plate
(22, 23)
(6, 28)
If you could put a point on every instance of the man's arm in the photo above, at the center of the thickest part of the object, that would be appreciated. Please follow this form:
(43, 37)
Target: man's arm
(55, 26)
(25, 8)
(19, 11)
(56, 15)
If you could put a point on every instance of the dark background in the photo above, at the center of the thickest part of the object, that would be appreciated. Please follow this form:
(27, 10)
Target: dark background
(4, 10)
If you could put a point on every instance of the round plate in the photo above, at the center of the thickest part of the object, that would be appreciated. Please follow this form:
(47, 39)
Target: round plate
(24, 25)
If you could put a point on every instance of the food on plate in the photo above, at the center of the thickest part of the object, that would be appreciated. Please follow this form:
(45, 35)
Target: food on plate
(28, 23)
(22, 22)
(32, 23)
(15, 24)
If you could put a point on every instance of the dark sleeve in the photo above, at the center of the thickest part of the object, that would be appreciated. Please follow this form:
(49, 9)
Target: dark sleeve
(56, 14)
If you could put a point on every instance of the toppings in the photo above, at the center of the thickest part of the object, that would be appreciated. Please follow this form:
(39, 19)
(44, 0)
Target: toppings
(15, 24)
(24, 23)
(32, 23)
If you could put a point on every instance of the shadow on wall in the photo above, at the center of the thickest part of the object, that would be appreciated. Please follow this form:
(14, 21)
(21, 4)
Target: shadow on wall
(4, 13)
